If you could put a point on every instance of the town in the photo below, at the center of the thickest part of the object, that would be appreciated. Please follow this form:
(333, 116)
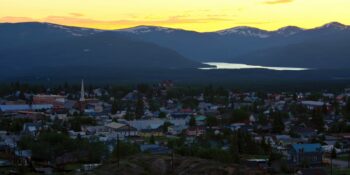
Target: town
(165, 128)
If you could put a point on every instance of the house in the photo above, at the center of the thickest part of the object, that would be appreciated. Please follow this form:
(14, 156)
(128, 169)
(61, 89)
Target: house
(60, 115)
(312, 171)
(24, 156)
(305, 132)
(237, 126)
(174, 130)
(90, 167)
(195, 131)
(207, 108)
(154, 149)
(121, 129)
(151, 132)
(25, 107)
(31, 128)
(283, 139)
(155, 123)
(55, 100)
(310, 154)
(75, 135)
(95, 106)
(313, 104)
(100, 92)
(200, 120)
(180, 115)
(69, 104)
(5, 163)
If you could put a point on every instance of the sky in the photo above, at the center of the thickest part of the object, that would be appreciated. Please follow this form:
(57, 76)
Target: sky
(198, 15)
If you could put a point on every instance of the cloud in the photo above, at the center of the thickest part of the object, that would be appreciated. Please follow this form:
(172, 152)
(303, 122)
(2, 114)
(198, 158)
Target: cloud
(76, 14)
(83, 21)
(15, 19)
(272, 2)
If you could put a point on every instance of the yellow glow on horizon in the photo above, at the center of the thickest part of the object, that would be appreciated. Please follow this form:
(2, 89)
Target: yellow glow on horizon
(198, 15)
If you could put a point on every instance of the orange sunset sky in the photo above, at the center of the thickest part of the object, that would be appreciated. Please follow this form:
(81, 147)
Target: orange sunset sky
(199, 15)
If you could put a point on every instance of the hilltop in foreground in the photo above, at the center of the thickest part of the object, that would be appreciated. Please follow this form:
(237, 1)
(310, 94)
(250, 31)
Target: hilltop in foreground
(161, 165)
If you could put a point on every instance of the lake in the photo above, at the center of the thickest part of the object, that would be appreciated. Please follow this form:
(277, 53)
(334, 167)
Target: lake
(222, 65)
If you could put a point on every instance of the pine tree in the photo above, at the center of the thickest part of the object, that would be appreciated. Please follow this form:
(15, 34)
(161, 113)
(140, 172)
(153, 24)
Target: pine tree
(115, 107)
(234, 149)
(192, 121)
(277, 124)
(347, 106)
(317, 120)
(139, 108)
(334, 154)
(152, 139)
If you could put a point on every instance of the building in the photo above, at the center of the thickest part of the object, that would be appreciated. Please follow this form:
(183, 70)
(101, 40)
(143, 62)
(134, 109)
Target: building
(82, 92)
(309, 154)
(31, 128)
(25, 107)
(81, 103)
(151, 132)
(313, 104)
(56, 100)
(121, 129)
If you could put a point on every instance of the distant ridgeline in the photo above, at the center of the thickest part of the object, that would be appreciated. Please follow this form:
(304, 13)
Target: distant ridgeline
(48, 52)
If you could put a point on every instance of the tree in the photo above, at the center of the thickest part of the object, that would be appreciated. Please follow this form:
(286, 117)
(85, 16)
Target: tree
(125, 149)
(273, 156)
(153, 105)
(277, 124)
(162, 115)
(79, 121)
(165, 126)
(21, 95)
(50, 145)
(152, 139)
(334, 153)
(139, 108)
(234, 150)
(190, 103)
(209, 94)
(211, 121)
(337, 145)
(324, 109)
(192, 121)
(128, 115)
(115, 107)
(317, 120)
(239, 115)
(347, 106)
(262, 119)
(13, 125)
(143, 88)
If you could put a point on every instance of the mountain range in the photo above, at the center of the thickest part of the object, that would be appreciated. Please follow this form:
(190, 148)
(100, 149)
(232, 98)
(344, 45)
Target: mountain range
(29, 47)
(36, 49)
(321, 47)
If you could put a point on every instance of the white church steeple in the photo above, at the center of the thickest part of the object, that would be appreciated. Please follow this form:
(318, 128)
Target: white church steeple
(82, 93)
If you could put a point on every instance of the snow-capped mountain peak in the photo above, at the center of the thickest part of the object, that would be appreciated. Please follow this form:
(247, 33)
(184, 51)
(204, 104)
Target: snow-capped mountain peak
(334, 25)
(245, 31)
(289, 30)
(74, 31)
(147, 29)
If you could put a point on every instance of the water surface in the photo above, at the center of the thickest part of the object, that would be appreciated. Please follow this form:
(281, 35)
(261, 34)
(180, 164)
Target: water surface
(223, 65)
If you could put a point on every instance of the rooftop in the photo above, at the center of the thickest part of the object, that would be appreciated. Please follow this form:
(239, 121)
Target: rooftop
(316, 147)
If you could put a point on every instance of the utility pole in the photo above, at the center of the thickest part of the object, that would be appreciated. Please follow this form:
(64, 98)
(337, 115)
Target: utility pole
(331, 164)
(349, 160)
(118, 151)
(172, 160)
